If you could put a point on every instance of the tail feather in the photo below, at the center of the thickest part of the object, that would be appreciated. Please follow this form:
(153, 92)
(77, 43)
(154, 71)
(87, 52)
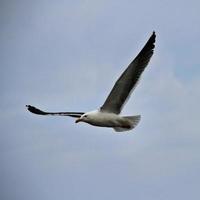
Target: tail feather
(133, 122)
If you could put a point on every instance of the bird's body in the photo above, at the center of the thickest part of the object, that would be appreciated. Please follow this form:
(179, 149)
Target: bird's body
(108, 114)
(111, 120)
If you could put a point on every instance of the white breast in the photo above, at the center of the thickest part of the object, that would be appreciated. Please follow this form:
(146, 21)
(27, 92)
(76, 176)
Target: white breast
(104, 119)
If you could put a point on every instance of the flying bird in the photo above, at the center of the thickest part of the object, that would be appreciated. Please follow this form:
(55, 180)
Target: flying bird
(108, 114)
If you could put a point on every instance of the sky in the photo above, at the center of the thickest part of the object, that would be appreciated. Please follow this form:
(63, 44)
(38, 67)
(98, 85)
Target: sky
(65, 56)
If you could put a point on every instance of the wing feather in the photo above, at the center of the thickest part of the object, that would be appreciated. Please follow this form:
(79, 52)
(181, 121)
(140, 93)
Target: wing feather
(40, 112)
(129, 78)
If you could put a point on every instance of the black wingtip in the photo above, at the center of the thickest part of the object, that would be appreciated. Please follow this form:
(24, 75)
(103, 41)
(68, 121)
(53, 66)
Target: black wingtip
(35, 110)
(151, 42)
(153, 36)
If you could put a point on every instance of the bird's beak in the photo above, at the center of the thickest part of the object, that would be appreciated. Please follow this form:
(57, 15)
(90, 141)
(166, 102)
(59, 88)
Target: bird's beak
(78, 120)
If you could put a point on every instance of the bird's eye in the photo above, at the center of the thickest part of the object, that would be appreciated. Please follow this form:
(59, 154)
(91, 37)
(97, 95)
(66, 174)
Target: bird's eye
(85, 116)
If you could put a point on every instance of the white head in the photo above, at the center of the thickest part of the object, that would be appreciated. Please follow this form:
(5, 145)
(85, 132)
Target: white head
(87, 117)
(84, 118)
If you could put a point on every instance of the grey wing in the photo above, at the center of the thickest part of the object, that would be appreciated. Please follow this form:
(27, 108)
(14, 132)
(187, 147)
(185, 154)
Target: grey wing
(40, 112)
(129, 78)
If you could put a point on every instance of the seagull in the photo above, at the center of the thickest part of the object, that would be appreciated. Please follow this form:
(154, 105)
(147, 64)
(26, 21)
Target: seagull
(108, 114)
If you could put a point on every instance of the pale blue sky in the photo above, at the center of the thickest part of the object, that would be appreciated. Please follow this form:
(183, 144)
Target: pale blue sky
(66, 55)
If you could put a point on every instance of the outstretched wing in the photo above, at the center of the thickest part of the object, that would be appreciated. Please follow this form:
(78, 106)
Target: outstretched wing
(129, 78)
(40, 112)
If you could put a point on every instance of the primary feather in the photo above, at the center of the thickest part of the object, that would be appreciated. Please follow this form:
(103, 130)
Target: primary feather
(129, 78)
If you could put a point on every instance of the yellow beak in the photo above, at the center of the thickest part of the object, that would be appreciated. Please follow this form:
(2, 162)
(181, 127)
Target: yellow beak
(78, 120)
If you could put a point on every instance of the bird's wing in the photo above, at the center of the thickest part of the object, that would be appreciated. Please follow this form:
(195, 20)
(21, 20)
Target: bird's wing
(127, 81)
(40, 112)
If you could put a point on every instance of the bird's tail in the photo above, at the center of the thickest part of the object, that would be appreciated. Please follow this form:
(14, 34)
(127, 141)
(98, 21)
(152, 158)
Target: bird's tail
(133, 122)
